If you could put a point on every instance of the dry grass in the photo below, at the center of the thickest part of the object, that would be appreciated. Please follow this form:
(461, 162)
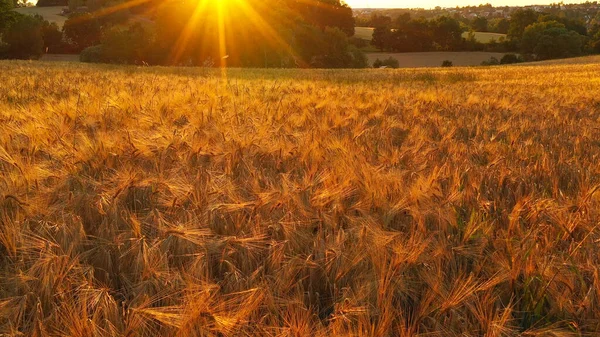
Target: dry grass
(165, 202)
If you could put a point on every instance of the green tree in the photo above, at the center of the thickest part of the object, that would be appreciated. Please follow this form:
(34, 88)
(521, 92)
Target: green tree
(130, 46)
(447, 33)
(325, 13)
(551, 39)
(23, 38)
(500, 25)
(479, 24)
(7, 16)
(381, 38)
(520, 19)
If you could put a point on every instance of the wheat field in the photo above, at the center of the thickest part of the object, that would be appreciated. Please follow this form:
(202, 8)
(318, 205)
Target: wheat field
(193, 202)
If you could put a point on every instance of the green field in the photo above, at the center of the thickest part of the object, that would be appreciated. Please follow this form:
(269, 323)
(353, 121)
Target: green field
(52, 14)
(483, 37)
(157, 201)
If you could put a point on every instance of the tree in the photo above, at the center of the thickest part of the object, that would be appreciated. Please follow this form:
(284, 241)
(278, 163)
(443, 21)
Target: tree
(447, 33)
(479, 24)
(130, 46)
(500, 26)
(380, 20)
(551, 39)
(7, 16)
(83, 30)
(52, 36)
(571, 24)
(325, 13)
(23, 38)
(520, 19)
(381, 38)
(184, 36)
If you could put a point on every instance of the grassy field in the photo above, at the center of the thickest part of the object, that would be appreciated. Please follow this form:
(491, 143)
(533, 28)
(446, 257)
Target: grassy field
(173, 202)
(435, 59)
(52, 14)
(483, 37)
(364, 33)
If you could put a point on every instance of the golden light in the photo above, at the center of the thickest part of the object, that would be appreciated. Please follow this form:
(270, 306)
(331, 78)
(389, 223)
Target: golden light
(224, 23)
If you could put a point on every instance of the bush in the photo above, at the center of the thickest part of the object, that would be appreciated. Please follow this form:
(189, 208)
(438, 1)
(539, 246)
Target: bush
(491, 62)
(359, 59)
(447, 63)
(358, 42)
(92, 54)
(510, 59)
(390, 62)
(131, 46)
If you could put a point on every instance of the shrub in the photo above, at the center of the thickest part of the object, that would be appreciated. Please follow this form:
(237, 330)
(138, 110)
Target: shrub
(510, 59)
(92, 55)
(358, 42)
(390, 62)
(132, 46)
(491, 62)
(447, 63)
(359, 59)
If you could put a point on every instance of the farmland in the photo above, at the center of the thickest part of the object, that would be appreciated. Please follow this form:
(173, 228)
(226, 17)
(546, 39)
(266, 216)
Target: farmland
(52, 14)
(482, 37)
(140, 201)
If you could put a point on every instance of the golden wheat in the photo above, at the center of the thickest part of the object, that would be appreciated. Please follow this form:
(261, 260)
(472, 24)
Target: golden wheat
(174, 202)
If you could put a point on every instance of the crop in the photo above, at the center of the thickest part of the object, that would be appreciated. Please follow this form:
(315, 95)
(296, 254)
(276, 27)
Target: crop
(139, 201)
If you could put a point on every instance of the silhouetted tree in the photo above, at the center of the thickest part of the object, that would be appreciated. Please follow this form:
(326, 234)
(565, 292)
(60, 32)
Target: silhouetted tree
(83, 30)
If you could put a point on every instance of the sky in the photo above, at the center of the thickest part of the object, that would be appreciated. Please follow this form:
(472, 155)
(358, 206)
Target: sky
(444, 3)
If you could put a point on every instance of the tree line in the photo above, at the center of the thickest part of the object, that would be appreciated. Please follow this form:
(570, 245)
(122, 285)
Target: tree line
(274, 33)
(535, 35)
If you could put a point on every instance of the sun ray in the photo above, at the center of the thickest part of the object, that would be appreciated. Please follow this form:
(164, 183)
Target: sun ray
(112, 9)
(222, 38)
(267, 30)
(183, 40)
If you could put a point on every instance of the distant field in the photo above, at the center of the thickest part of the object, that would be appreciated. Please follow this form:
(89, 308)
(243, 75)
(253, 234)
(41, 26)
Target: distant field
(157, 201)
(364, 33)
(49, 13)
(367, 34)
(435, 59)
(484, 37)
